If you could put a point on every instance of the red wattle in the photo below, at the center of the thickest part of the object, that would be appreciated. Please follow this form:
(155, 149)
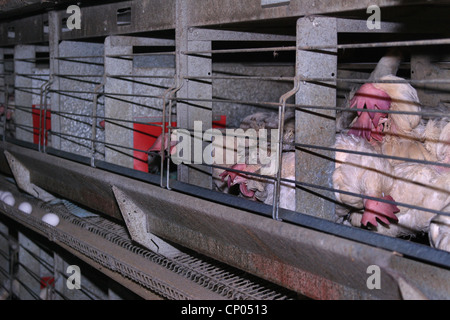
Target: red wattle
(362, 126)
(379, 210)
(367, 124)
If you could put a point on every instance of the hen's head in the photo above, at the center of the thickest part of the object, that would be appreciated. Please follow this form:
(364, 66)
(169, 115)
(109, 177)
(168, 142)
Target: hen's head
(395, 96)
(235, 177)
(403, 98)
(368, 124)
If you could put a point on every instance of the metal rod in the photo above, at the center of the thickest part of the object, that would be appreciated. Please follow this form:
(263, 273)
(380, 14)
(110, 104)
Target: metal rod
(141, 54)
(107, 144)
(169, 131)
(265, 104)
(6, 111)
(110, 93)
(300, 145)
(45, 113)
(281, 116)
(280, 78)
(26, 126)
(40, 115)
(407, 43)
(134, 103)
(94, 122)
(30, 74)
(23, 90)
(31, 59)
(169, 92)
(303, 106)
(144, 83)
(333, 80)
(406, 205)
(137, 76)
(63, 113)
(78, 75)
(363, 81)
(246, 50)
(77, 57)
(339, 46)
(65, 135)
(110, 120)
(319, 187)
(163, 143)
(42, 101)
(72, 78)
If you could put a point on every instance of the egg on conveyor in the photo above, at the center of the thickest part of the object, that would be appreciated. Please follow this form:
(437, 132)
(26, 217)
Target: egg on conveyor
(8, 198)
(25, 207)
(51, 219)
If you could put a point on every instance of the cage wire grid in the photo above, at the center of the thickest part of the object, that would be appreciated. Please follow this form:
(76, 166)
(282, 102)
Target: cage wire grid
(90, 121)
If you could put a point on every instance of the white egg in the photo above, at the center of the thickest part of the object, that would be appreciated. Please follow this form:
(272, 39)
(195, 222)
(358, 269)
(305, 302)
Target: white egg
(9, 200)
(5, 194)
(51, 219)
(25, 207)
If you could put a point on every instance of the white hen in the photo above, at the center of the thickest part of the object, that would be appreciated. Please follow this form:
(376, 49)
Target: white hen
(417, 185)
(362, 175)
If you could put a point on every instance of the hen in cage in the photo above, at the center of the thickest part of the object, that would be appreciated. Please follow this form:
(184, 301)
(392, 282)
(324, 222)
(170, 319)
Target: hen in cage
(419, 191)
(401, 133)
(226, 174)
(393, 138)
(258, 185)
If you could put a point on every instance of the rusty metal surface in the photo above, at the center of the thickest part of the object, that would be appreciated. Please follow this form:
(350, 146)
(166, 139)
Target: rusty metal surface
(313, 263)
(232, 11)
(145, 18)
(99, 19)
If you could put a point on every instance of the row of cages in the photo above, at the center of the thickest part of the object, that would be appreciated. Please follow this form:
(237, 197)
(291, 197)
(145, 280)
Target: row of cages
(349, 127)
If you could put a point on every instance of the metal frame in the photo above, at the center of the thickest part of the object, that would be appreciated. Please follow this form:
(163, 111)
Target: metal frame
(144, 18)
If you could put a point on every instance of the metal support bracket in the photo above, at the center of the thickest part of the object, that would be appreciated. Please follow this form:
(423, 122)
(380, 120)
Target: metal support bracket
(136, 221)
(23, 179)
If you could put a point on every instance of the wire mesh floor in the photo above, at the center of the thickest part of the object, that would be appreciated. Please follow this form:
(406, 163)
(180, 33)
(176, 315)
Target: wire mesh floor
(224, 280)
